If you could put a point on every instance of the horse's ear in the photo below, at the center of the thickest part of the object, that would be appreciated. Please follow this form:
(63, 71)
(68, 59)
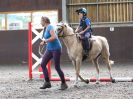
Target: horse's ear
(61, 22)
(65, 25)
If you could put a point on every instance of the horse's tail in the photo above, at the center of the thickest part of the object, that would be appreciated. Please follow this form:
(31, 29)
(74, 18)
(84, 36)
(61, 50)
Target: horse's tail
(105, 51)
(105, 47)
(111, 62)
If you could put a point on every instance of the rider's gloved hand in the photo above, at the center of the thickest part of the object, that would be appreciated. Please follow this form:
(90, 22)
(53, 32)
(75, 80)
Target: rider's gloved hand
(78, 35)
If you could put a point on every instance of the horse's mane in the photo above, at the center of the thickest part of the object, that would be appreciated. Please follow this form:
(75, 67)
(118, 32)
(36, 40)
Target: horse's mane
(70, 29)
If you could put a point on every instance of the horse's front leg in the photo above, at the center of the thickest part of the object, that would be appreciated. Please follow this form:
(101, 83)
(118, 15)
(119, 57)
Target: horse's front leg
(78, 64)
(76, 76)
(76, 81)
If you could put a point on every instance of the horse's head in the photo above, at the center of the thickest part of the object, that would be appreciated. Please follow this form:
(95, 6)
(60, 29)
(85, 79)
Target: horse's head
(63, 29)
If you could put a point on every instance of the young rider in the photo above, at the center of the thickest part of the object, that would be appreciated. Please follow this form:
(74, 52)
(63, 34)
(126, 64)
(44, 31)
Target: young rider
(84, 29)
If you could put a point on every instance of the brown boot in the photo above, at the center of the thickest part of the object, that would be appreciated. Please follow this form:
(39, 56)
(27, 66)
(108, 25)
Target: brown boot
(46, 85)
(84, 57)
(85, 54)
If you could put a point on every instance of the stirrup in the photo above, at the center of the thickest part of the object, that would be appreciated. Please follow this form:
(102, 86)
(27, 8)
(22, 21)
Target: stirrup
(86, 52)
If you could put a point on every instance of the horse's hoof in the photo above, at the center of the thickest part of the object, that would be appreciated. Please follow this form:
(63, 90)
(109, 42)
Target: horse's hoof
(113, 80)
(76, 86)
(87, 81)
(97, 82)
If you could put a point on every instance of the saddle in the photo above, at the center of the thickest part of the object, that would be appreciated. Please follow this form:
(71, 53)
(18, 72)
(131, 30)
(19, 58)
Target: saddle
(85, 54)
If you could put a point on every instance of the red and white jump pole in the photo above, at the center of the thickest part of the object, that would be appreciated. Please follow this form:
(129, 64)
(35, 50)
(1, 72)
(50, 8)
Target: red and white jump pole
(30, 51)
(32, 66)
(116, 79)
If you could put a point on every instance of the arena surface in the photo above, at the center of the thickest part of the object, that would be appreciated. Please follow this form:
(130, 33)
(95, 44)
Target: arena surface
(14, 84)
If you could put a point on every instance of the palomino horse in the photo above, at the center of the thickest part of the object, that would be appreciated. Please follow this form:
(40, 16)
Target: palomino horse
(99, 48)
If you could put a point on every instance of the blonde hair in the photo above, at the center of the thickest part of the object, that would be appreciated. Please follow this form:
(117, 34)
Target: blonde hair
(46, 19)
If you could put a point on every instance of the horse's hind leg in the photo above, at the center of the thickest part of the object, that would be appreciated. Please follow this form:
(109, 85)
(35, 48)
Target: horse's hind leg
(110, 68)
(95, 62)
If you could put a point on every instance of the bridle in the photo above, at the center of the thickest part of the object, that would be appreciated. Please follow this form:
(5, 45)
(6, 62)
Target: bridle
(62, 32)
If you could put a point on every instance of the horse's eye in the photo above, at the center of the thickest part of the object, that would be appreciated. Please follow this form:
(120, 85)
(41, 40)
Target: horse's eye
(59, 29)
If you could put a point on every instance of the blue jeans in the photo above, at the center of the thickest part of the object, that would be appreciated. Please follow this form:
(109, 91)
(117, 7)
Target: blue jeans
(48, 55)
(87, 35)
(85, 41)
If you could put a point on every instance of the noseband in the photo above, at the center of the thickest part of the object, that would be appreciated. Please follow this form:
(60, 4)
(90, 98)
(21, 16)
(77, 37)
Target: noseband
(63, 35)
